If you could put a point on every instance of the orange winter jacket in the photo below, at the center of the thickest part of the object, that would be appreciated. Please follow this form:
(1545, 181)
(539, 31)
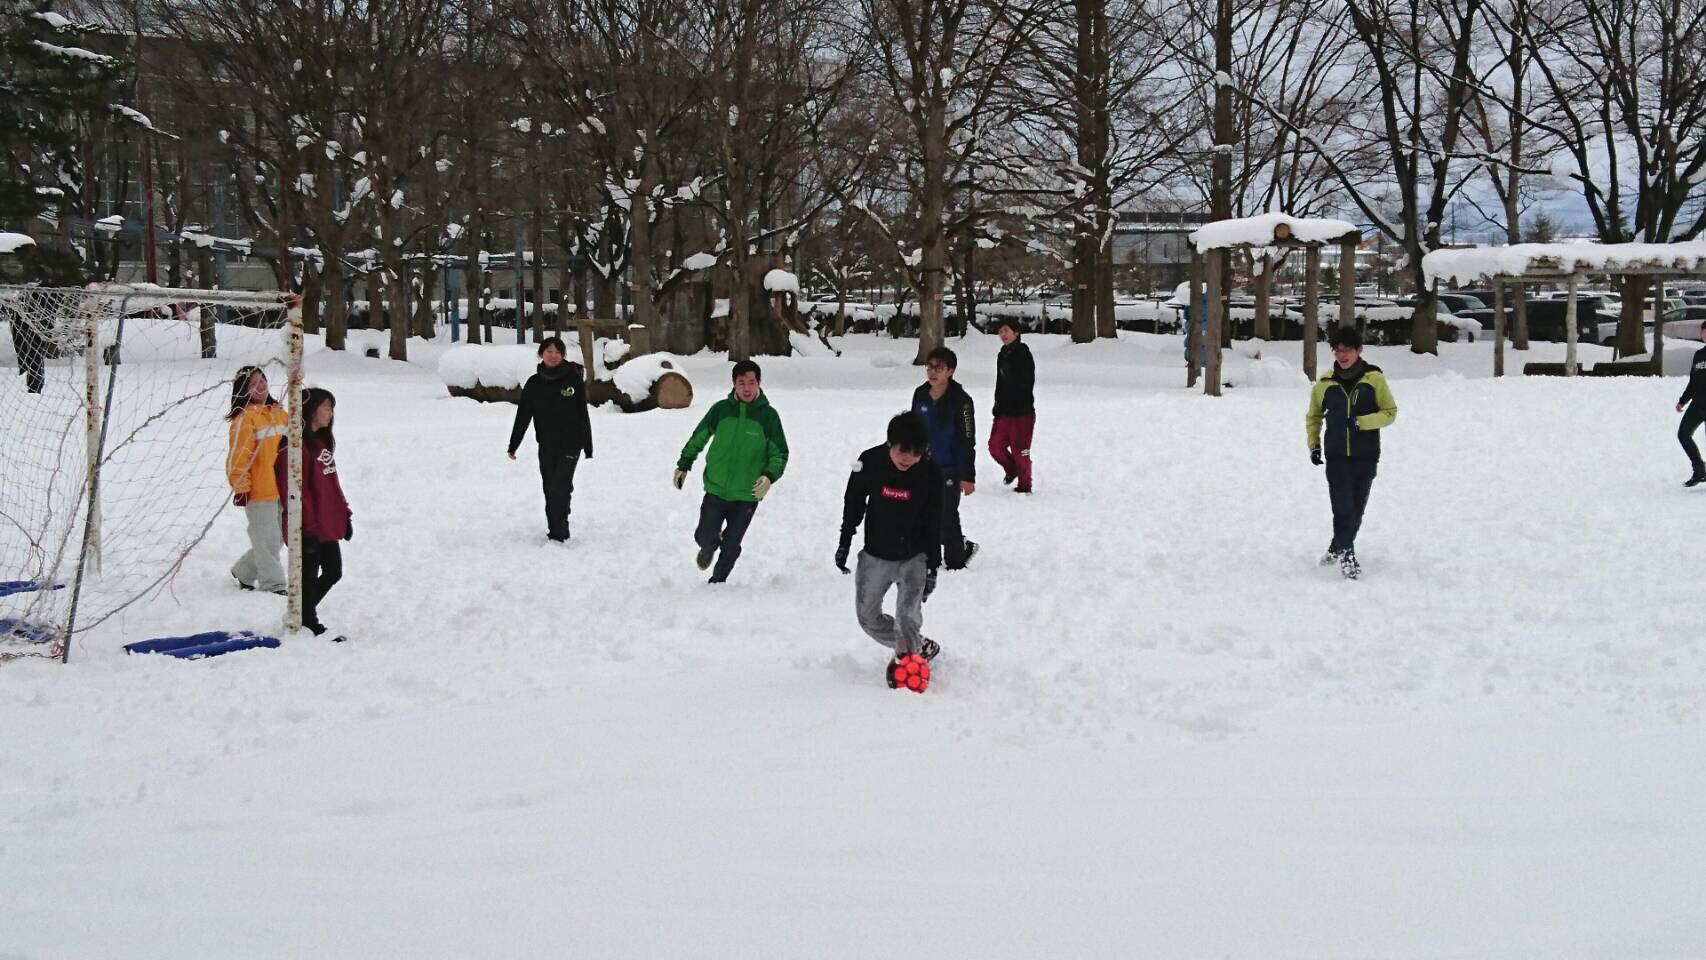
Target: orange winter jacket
(255, 436)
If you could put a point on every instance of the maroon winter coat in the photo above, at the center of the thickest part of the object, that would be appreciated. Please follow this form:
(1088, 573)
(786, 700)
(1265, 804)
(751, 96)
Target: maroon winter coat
(325, 512)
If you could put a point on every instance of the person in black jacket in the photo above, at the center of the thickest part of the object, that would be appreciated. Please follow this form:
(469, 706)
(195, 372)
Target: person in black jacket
(897, 493)
(1694, 397)
(951, 425)
(1015, 406)
(554, 400)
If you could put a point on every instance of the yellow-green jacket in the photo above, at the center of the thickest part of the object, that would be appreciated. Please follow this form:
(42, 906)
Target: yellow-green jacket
(1366, 401)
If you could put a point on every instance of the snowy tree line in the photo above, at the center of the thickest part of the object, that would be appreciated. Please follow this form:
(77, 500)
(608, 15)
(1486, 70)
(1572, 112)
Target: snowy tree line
(927, 145)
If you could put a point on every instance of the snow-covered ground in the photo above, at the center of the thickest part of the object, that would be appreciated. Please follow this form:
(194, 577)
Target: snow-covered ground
(1157, 729)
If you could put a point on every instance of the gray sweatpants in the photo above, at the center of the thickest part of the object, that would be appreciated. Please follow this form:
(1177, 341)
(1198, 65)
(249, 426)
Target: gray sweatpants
(871, 581)
(260, 567)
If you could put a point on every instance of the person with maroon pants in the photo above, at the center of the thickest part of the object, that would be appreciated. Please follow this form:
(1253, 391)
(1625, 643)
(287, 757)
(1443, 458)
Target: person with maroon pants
(1015, 407)
(325, 513)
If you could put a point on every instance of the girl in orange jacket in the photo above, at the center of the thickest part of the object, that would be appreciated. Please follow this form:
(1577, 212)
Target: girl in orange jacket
(258, 425)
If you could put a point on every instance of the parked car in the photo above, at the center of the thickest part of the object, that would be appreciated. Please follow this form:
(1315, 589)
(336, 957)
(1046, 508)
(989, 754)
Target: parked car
(1684, 323)
(1546, 320)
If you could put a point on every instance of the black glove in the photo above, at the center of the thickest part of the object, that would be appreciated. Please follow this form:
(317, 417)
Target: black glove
(1315, 456)
(349, 529)
(841, 558)
(929, 583)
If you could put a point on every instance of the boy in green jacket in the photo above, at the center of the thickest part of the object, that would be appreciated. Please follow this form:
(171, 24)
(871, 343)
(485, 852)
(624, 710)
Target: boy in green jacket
(1354, 404)
(748, 454)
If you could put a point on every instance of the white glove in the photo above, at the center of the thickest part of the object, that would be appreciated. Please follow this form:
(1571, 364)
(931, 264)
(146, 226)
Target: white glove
(761, 488)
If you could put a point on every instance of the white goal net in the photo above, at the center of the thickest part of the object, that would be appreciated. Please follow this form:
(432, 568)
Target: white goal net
(115, 461)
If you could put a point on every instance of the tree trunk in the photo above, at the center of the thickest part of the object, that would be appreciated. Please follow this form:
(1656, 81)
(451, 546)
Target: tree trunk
(1084, 285)
(1631, 330)
(395, 311)
(640, 248)
(473, 279)
(930, 215)
(332, 299)
(1262, 328)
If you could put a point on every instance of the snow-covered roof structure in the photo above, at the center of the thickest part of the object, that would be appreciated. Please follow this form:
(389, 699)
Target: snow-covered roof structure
(1272, 229)
(1472, 265)
(12, 242)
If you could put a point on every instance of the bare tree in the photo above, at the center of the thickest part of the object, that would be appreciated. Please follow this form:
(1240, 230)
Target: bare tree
(941, 63)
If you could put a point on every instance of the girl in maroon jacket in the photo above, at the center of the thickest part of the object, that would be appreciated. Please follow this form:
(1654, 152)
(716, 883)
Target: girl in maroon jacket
(325, 512)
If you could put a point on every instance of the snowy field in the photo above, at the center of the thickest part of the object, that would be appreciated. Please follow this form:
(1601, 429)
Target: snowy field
(1157, 729)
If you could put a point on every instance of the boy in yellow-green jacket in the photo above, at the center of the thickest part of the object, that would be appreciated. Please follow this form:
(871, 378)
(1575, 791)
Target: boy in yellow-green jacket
(1354, 403)
(748, 454)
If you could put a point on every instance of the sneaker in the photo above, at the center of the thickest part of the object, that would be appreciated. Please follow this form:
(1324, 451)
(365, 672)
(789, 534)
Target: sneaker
(1007, 481)
(1330, 557)
(1349, 568)
(703, 559)
(317, 629)
(929, 648)
(717, 579)
(1024, 490)
(971, 551)
(241, 585)
(888, 673)
(1695, 480)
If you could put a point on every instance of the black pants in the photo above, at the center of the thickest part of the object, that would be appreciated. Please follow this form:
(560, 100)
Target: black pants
(322, 566)
(557, 476)
(1348, 484)
(953, 536)
(32, 355)
(722, 526)
(1692, 418)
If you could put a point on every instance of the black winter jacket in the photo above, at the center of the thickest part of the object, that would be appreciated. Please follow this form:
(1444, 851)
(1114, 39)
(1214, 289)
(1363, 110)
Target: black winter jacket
(554, 399)
(1015, 380)
(1696, 389)
(901, 509)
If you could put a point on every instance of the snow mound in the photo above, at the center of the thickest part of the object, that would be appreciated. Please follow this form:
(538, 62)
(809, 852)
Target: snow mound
(1268, 372)
(505, 366)
(807, 345)
(781, 281)
(699, 261)
(635, 378)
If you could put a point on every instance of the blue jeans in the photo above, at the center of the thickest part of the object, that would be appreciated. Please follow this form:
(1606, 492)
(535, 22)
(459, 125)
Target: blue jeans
(722, 526)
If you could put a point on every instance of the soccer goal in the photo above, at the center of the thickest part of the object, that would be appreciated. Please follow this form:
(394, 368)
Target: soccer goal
(114, 460)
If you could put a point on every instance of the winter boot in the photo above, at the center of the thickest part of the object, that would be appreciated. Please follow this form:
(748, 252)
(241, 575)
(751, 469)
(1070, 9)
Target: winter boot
(971, 551)
(1331, 556)
(703, 559)
(928, 649)
(1696, 480)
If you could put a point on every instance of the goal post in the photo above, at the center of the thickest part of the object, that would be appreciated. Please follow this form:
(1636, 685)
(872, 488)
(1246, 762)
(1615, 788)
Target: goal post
(117, 464)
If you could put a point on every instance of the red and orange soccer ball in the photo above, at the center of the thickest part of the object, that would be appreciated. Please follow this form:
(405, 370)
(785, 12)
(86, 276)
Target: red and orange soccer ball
(912, 672)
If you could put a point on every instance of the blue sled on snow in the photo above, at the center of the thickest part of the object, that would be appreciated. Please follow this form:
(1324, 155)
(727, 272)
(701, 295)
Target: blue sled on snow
(199, 645)
(9, 587)
(14, 629)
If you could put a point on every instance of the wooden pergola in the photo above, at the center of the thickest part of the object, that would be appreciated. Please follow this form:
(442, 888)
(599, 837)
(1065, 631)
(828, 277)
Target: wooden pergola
(1211, 253)
(1532, 263)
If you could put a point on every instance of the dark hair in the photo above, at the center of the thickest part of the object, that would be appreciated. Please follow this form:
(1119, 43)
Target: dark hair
(311, 400)
(1703, 326)
(240, 391)
(1009, 323)
(745, 367)
(553, 342)
(945, 355)
(1346, 337)
(907, 432)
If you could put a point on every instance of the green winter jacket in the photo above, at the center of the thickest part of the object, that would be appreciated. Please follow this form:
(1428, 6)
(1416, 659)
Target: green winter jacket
(1368, 401)
(746, 443)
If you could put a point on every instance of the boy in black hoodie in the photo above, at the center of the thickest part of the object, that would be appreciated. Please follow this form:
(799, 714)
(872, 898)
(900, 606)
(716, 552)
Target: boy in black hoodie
(951, 426)
(897, 493)
(1694, 396)
(554, 400)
